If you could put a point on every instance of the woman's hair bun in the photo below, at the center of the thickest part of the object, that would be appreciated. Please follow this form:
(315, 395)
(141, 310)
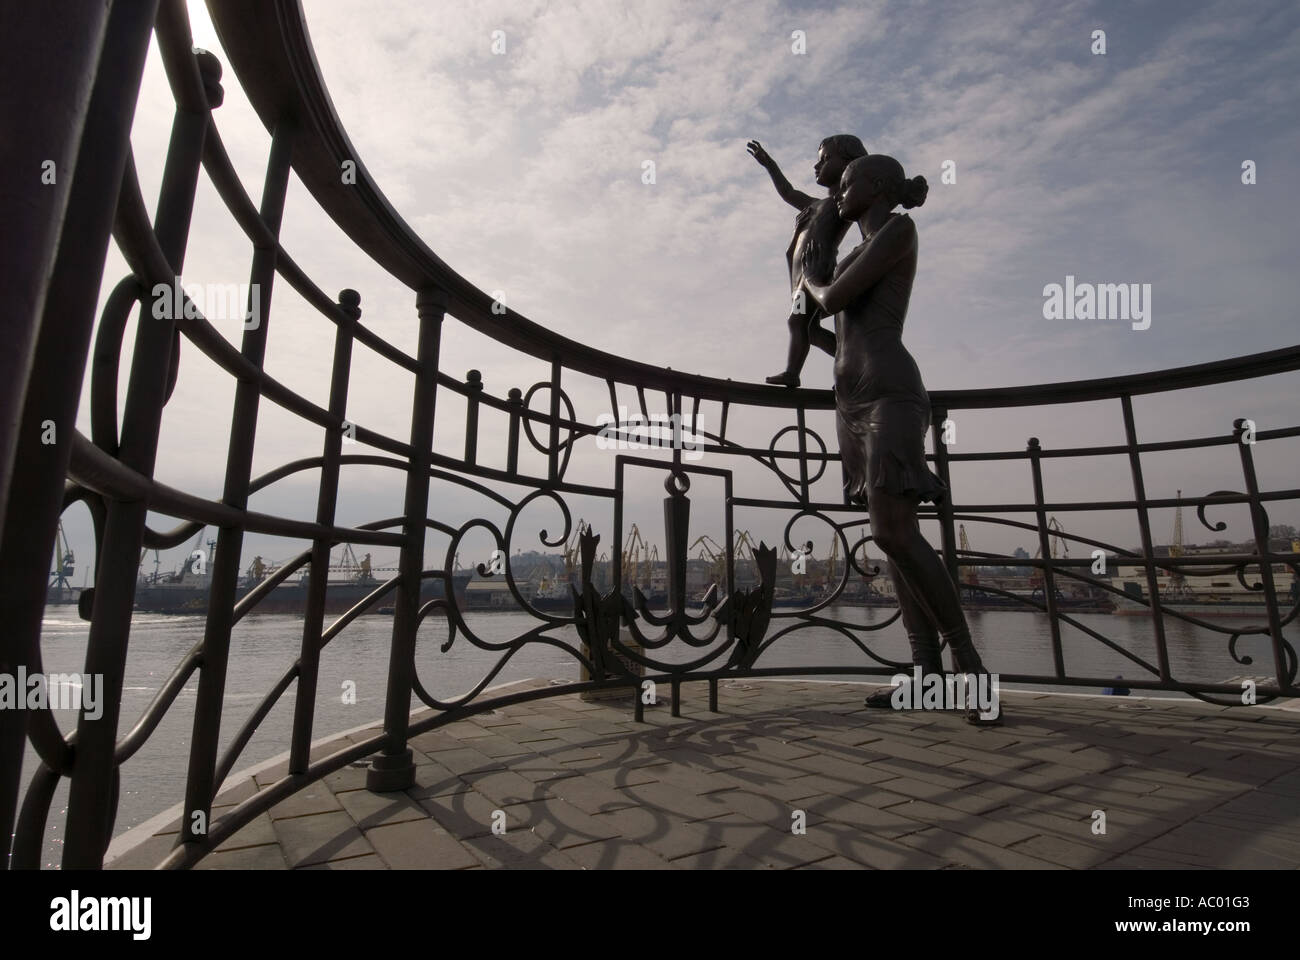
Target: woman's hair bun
(914, 192)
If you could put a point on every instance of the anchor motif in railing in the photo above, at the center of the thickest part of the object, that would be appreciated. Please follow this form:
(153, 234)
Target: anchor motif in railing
(677, 622)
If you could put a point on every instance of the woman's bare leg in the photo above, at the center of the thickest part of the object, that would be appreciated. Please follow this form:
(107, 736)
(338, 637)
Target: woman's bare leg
(896, 530)
(922, 636)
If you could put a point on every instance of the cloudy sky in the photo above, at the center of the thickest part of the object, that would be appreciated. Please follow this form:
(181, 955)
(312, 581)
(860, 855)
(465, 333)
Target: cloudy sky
(523, 170)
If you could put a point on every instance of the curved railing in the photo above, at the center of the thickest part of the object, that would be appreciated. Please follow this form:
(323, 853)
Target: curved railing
(777, 464)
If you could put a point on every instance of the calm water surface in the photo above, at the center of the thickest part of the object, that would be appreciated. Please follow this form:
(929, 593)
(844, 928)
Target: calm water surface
(263, 648)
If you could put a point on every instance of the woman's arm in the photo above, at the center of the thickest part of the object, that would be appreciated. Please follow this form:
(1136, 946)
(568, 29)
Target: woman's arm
(893, 242)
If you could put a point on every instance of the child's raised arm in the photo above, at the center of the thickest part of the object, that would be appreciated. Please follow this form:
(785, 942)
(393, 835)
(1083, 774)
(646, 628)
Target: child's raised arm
(796, 198)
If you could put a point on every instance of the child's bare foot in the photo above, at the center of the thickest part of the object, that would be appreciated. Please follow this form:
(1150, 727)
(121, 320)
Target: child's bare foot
(784, 379)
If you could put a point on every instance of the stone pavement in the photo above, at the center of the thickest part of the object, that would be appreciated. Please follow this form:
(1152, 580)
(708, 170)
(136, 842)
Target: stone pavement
(1181, 784)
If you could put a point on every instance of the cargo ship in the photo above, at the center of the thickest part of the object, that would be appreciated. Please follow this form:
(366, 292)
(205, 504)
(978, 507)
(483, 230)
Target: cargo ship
(185, 592)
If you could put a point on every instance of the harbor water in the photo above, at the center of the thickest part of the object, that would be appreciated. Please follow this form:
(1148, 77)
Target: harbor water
(264, 647)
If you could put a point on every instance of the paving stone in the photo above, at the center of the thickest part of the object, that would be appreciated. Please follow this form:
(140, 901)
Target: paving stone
(419, 845)
(1080, 854)
(435, 780)
(1184, 786)
(351, 777)
(255, 833)
(1220, 846)
(869, 850)
(316, 838)
(667, 837)
(312, 799)
(855, 772)
(675, 801)
(500, 747)
(434, 741)
(145, 855)
(541, 770)
(504, 787)
(465, 730)
(272, 774)
(470, 814)
(974, 853)
(373, 809)
(833, 862)
(236, 794)
(530, 736)
(519, 850)
(617, 855)
(767, 810)
(695, 781)
(563, 825)
(547, 723)
(590, 795)
(1002, 831)
(721, 858)
(1089, 760)
(780, 849)
(617, 777)
(266, 857)
(369, 861)
(468, 760)
(860, 816)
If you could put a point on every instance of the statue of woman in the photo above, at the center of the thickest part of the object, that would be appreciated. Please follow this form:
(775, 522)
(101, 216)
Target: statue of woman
(882, 409)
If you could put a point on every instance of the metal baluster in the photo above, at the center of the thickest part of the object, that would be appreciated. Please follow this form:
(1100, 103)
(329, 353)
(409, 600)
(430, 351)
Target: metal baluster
(553, 447)
(1259, 523)
(200, 787)
(304, 708)
(1144, 528)
(474, 384)
(803, 455)
(1049, 576)
(394, 769)
(47, 375)
(515, 400)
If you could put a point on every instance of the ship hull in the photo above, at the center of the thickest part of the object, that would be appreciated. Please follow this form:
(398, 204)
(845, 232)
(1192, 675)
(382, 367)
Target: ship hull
(291, 599)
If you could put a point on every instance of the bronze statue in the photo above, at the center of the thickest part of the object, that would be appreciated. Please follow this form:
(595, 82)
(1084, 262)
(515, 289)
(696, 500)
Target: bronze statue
(882, 409)
(817, 222)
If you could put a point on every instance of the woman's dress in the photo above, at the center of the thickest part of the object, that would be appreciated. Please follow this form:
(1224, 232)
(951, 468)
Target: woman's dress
(882, 409)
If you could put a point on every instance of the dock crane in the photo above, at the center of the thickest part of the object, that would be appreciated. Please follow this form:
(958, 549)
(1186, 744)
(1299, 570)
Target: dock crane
(571, 549)
(971, 575)
(712, 552)
(1055, 532)
(632, 550)
(744, 542)
(64, 561)
(1177, 582)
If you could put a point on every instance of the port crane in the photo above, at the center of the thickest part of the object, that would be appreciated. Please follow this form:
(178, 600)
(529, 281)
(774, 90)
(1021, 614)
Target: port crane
(1177, 582)
(571, 551)
(64, 562)
(713, 553)
(744, 542)
(971, 575)
(633, 550)
(1055, 533)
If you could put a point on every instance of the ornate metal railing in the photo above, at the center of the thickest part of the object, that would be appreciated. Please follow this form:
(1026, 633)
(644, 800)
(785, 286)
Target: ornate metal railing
(618, 641)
